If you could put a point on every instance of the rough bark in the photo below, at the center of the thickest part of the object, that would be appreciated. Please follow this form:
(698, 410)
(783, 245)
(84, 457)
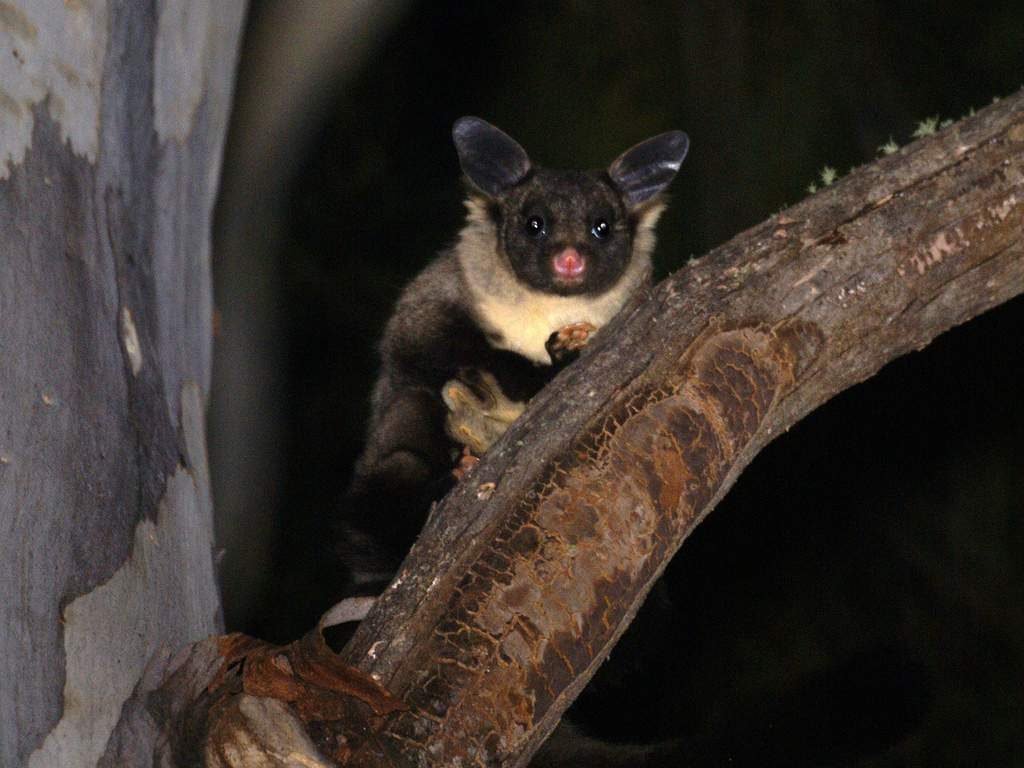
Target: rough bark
(112, 119)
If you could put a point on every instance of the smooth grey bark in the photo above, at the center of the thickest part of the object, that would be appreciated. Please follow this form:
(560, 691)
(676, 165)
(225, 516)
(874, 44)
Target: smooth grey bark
(112, 120)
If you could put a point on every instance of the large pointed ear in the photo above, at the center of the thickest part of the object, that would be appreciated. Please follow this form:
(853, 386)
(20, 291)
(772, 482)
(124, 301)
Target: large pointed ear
(642, 171)
(490, 158)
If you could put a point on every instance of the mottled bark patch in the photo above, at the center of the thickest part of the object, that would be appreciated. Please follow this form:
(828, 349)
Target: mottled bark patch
(537, 606)
(53, 53)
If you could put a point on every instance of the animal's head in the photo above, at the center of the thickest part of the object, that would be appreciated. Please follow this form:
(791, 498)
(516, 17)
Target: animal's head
(567, 232)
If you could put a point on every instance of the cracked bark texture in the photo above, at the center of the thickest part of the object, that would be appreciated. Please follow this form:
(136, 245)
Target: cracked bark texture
(114, 115)
(512, 598)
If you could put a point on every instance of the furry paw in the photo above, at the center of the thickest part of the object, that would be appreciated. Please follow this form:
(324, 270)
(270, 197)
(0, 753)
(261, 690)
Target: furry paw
(478, 411)
(569, 339)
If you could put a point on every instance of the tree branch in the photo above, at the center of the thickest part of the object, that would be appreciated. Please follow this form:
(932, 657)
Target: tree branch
(506, 606)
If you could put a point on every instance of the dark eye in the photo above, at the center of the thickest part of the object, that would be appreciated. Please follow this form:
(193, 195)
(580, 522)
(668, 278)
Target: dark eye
(535, 226)
(600, 230)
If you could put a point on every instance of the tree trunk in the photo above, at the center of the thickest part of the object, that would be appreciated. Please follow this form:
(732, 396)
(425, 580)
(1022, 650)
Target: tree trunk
(112, 118)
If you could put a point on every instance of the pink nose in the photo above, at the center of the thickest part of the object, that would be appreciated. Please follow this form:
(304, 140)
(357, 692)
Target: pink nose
(569, 264)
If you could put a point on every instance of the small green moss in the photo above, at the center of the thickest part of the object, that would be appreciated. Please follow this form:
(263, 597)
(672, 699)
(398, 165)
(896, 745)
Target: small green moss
(828, 175)
(812, 188)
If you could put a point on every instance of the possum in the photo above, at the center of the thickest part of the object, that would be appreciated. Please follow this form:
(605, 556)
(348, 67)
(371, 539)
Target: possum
(545, 259)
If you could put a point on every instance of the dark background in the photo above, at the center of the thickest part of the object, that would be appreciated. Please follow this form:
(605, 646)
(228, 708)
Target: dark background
(858, 598)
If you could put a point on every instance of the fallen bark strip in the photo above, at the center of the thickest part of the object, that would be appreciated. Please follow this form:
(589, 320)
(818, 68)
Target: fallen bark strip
(510, 600)
(515, 594)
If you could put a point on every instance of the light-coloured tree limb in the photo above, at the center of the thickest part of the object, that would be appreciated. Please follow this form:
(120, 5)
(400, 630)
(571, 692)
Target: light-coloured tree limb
(112, 119)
